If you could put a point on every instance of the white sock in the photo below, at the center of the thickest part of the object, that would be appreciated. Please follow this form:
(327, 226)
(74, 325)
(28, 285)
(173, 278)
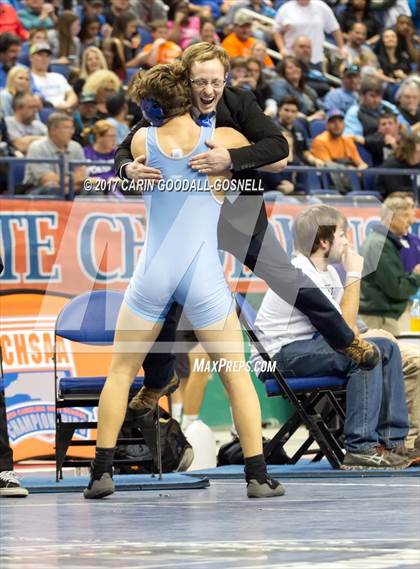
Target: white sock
(176, 411)
(187, 420)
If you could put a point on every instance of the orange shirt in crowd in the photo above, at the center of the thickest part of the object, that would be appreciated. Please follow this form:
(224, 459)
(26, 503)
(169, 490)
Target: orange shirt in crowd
(167, 53)
(237, 48)
(327, 148)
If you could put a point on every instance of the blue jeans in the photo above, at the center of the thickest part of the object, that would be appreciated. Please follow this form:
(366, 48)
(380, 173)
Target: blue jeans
(376, 409)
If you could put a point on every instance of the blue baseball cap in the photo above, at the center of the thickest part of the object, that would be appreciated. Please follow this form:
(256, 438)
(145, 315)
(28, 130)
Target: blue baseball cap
(333, 113)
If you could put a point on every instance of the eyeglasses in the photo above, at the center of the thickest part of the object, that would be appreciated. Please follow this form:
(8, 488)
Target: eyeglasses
(201, 83)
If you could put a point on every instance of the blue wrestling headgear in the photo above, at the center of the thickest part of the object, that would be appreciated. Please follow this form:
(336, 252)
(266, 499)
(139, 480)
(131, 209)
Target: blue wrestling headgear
(152, 111)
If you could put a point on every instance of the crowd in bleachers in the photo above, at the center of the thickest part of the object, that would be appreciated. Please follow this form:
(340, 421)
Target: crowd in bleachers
(340, 78)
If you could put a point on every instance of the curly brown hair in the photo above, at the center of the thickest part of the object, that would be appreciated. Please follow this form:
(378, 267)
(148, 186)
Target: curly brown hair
(167, 84)
(406, 146)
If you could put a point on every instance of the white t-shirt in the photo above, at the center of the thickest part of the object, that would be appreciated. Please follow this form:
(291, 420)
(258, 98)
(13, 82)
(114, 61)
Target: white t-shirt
(52, 86)
(278, 323)
(314, 21)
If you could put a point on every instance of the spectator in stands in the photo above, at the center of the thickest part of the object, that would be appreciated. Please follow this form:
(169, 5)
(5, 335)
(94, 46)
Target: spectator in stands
(42, 178)
(84, 118)
(394, 63)
(239, 73)
(358, 11)
(161, 50)
(102, 84)
(389, 127)
(239, 42)
(54, 89)
(148, 10)
(408, 102)
(260, 87)
(410, 251)
(90, 33)
(10, 49)
(361, 120)
(376, 422)
(357, 49)
(37, 14)
(18, 81)
(311, 18)
(35, 36)
(115, 9)
(292, 83)
(207, 32)
(259, 51)
(184, 26)
(10, 23)
(332, 147)
(386, 287)
(94, 9)
(103, 149)
(121, 49)
(406, 155)
(64, 41)
(406, 37)
(344, 97)
(287, 115)
(92, 60)
(23, 128)
(117, 108)
(201, 7)
(302, 50)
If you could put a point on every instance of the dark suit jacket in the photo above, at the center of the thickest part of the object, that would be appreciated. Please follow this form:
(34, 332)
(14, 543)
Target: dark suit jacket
(237, 109)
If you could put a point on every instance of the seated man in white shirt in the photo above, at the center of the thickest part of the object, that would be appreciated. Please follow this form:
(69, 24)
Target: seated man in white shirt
(54, 88)
(23, 128)
(376, 422)
(44, 178)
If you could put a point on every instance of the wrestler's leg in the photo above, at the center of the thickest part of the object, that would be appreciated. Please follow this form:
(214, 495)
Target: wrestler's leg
(224, 340)
(227, 344)
(133, 338)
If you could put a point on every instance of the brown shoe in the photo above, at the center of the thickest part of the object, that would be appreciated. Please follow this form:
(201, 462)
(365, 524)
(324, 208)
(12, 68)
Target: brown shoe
(411, 454)
(147, 398)
(364, 354)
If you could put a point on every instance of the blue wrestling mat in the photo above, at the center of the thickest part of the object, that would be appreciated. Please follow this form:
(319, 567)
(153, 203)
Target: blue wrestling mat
(44, 482)
(303, 469)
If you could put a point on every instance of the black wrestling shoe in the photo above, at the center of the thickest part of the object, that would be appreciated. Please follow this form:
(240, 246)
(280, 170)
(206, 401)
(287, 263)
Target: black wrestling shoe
(99, 486)
(264, 488)
(10, 486)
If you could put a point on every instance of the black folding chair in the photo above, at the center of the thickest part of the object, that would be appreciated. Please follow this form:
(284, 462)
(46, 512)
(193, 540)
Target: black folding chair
(315, 401)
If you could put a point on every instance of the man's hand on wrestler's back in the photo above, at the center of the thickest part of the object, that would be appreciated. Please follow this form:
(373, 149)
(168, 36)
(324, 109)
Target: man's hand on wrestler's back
(215, 161)
(136, 170)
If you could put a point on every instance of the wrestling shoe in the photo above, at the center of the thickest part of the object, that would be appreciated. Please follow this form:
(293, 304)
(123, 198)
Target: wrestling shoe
(265, 487)
(99, 487)
(147, 398)
(377, 457)
(364, 354)
(10, 486)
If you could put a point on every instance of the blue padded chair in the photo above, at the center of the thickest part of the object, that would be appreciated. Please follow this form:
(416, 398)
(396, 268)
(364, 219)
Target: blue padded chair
(44, 113)
(317, 127)
(61, 68)
(314, 400)
(89, 318)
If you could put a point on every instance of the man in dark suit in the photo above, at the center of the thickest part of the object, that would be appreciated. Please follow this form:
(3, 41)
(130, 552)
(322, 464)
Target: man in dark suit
(243, 227)
(9, 484)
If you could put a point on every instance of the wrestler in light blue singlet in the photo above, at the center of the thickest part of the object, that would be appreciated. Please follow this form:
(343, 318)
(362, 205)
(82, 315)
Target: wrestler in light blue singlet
(180, 260)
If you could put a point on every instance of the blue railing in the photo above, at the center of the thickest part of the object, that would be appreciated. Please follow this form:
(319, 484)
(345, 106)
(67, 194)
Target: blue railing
(15, 175)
